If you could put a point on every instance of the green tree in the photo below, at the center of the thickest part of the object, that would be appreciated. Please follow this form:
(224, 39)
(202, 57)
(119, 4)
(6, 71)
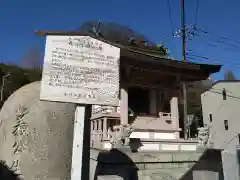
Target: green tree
(17, 78)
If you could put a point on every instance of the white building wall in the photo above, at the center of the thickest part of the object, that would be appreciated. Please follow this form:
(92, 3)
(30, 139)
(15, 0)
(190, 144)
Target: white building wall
(230, 160)
(229, 109)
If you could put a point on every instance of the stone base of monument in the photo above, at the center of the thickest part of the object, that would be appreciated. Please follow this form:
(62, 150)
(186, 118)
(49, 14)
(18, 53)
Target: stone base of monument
(109, 177)
(155, 165)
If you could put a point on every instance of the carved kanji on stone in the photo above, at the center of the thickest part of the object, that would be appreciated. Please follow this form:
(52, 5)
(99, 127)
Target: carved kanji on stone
(20, 130)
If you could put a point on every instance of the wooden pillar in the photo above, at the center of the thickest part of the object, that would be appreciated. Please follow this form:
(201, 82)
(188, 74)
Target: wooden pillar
(100, 121)
(92, 126)
(101, 129)
(95, 125)
(175, 115)
(116, 107)
(92, 129)
(105, 128)
(97, 141)
(124, 106)
(95, 132)
(93, 109)
(161, 98)
(153, 102)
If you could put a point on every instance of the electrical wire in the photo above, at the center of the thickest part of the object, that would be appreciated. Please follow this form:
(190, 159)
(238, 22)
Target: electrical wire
(225, 49)
(233, 48)
(216, 91)
(214, 60)
(236, 66)
(197, 56)
(212, 45)
(196, 14)
(219, 37)
(205, 58)
(217, 42)
(226, 143)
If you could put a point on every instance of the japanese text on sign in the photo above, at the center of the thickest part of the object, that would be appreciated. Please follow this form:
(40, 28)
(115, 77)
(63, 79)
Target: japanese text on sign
(80, 69)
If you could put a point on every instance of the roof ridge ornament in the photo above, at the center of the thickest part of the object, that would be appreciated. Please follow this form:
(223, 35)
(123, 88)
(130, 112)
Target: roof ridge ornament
(96, 29)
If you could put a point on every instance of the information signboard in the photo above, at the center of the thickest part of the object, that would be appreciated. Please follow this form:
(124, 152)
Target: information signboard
(81, 70)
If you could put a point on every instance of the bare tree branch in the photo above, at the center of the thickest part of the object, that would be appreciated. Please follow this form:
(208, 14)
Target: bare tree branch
(228, 75)
(32, 59)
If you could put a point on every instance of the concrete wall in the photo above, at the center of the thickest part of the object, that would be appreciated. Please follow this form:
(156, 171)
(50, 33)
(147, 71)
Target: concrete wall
(229, 109)
(230, 159)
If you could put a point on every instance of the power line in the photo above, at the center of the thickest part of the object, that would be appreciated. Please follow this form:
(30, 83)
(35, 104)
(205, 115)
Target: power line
(216, 46)
(198, 56)
(216, 91)
(221, 40)
(219, 37)
(225, 49)
(170, 17)
(196, 14)
(204, 59)
(229, 44)
(229, 47)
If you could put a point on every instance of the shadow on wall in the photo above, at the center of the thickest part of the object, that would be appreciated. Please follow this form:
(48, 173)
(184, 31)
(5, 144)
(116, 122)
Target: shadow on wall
(209, 167)
(6, 173)
(116, 162)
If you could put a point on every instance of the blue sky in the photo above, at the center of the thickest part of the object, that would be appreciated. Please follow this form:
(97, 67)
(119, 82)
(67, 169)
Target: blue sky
(19, 20)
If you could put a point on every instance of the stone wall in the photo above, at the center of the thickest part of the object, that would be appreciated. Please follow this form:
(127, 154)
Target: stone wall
(159, 165)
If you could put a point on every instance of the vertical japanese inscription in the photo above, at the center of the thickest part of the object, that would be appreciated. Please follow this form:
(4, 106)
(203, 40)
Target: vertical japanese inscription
(19, 133)
(80, 70)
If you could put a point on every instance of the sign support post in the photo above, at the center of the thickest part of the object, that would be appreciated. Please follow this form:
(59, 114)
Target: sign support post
(81, 143)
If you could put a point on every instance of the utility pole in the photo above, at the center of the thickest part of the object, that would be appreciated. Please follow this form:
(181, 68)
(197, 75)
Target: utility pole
(184, 88)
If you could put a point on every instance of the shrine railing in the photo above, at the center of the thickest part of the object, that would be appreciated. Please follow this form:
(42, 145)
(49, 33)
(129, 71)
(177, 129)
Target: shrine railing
(105, 109)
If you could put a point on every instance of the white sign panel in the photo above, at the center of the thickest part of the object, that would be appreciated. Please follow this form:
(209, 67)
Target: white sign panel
(80, 69)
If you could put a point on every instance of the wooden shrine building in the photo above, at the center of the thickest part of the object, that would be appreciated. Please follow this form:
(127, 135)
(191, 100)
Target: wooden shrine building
(150, 100)
(150, 94)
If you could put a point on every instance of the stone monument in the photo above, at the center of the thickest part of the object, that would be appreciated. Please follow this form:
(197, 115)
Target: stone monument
(204, 137)
(36, 136)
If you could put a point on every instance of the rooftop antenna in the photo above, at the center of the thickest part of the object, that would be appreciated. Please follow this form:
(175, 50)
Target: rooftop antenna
(131, 40)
